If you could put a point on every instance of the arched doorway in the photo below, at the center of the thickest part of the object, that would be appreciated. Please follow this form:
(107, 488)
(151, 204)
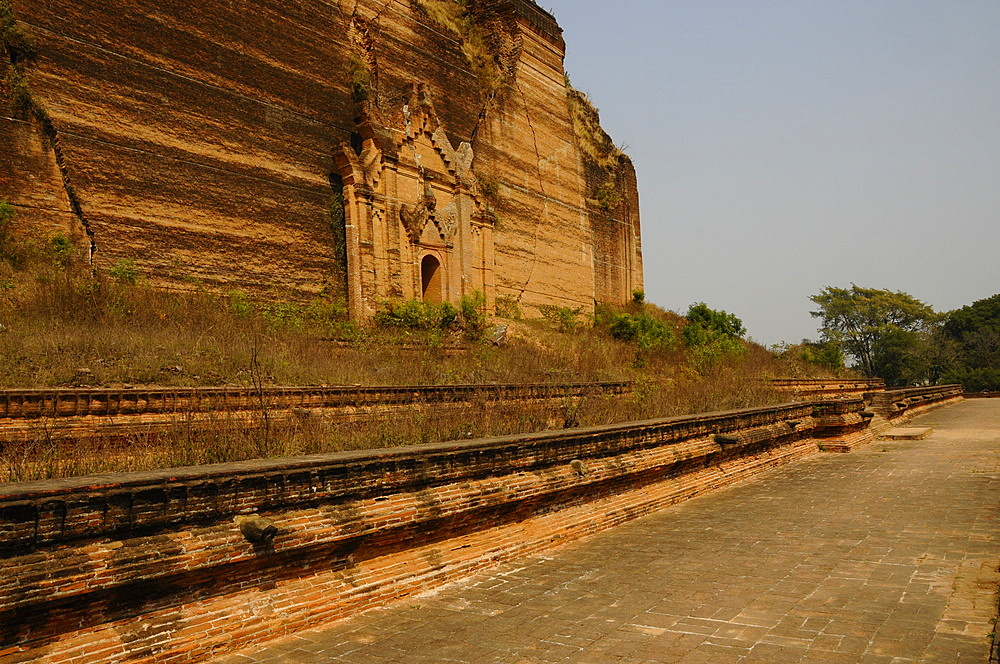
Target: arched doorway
(430, 279)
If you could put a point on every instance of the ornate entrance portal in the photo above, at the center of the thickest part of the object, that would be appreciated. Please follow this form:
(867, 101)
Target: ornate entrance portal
(417, 225)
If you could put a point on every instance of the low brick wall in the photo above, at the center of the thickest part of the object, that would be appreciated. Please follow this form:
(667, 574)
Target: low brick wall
(59, 403)
(895, 407)
(83, 413)
(153, 567)
(981, 395)
(808, 389)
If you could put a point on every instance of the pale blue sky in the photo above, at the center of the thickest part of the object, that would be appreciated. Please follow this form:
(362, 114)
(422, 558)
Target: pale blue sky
(786, 146)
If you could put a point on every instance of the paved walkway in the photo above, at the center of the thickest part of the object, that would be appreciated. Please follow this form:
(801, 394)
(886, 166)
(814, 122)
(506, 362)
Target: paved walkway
(887, 555)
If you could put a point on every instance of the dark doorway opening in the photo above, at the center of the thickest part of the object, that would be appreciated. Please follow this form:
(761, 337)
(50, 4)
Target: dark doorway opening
(430, 278)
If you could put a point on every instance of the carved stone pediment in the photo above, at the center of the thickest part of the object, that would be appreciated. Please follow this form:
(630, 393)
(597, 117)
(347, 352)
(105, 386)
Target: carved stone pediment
(415, 217)
(447, 220)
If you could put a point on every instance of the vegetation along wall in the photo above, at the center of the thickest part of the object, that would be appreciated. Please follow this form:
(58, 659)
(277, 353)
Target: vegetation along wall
(408, 148)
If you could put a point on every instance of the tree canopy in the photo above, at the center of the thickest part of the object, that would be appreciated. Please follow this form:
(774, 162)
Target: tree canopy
(975, 331)
(875, 326)
(712, 333)
(702, 318)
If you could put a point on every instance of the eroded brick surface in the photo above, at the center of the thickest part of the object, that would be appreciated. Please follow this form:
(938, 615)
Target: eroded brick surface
(215, 141)
(884, 556)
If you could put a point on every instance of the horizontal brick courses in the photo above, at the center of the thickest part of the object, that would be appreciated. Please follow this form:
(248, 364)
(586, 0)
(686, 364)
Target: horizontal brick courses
(152, 563)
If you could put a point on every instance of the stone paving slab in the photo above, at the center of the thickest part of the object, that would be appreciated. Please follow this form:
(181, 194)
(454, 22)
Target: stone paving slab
(885, 556)
(908, 433)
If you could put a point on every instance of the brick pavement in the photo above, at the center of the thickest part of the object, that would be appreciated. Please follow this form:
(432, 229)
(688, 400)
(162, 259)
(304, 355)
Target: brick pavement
(888, 555)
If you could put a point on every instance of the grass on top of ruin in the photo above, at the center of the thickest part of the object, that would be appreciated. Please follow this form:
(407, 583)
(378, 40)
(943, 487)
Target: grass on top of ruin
(60, 327)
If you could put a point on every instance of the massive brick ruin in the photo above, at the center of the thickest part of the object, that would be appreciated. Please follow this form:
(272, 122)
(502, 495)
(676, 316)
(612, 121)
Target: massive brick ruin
(374, 149)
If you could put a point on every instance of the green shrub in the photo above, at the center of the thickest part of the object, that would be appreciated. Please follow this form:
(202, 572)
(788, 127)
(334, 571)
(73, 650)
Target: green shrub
(327, 309)
(284, 314)
(712, 334)
(239, 303)
(360, 76)
(647, 332)
(472, 316)
(19, 50)
(455, 16)
(828, 355)
(974, 380)
(607, 197)
(62, 250)
(507, 306)
(700, 316)
(18, 44)
(124, 272)
(489, 185)
(7, 214)
(416, 315)
(716, 347)
(591, 137)
(566, 319)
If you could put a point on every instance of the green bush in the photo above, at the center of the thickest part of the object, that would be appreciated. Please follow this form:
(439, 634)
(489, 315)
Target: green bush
(607, 196)
(476, 45)
(702, 320)
(124, 272)
(240, 303)
(7, 214)
(712, 334)
(359, 74)
(284, 314)
(472, 316)
(974, 380)
(327, 309)
(489, 185)
(716, 348)
(62, 250)
(827, 355)
(566, 319)
(508, 307)
(647, 332)
(416, 315)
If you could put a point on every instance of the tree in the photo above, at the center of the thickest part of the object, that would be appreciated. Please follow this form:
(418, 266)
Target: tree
(978, 316)
(897, 357)
(703, 319)
(871, 325)
(712, 333)
(975, 330)
(827, 355)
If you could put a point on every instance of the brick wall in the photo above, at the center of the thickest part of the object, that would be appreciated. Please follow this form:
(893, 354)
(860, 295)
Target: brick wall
(806, 389)
(155, 566)
(898, 406)
(79, 414)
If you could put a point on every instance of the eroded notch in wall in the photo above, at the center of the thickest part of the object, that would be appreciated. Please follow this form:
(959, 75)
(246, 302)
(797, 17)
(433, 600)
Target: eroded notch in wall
(19, 52)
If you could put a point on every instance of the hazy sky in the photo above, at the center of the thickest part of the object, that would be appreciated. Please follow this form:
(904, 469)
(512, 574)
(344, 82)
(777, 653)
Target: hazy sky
(784, 146)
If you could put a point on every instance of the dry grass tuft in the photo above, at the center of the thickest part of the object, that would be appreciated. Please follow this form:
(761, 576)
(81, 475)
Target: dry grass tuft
(592, 138)
(54, 322)
(455, 17)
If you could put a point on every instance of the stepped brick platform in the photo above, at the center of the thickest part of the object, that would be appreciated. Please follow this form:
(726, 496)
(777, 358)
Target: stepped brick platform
(183, 564)
(908, 433)
(884, 556)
